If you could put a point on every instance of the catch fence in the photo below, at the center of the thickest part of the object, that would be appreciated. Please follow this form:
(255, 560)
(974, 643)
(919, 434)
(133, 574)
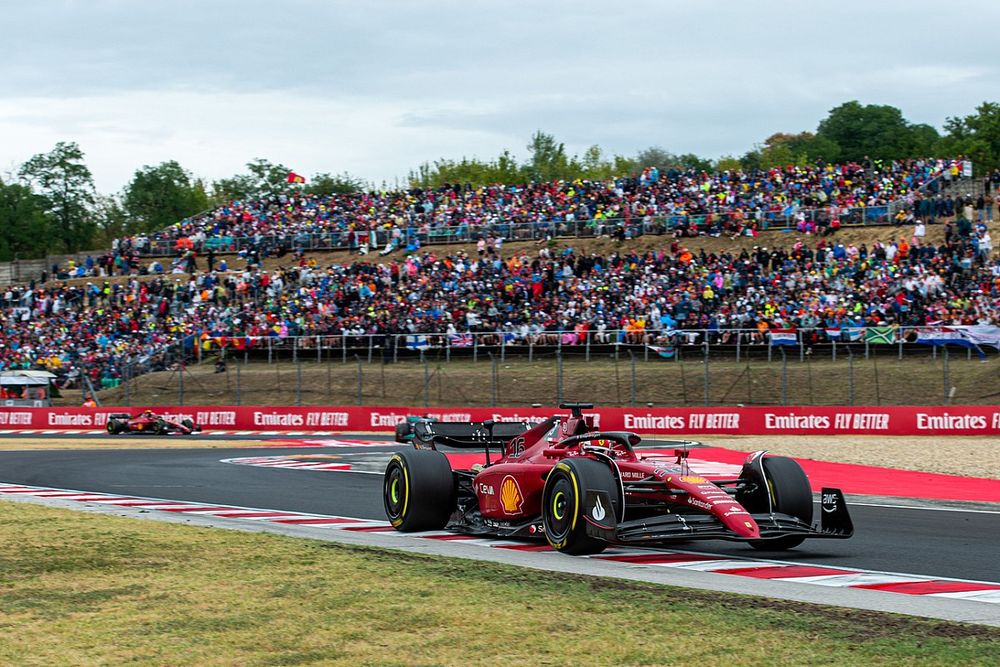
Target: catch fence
(687, 368)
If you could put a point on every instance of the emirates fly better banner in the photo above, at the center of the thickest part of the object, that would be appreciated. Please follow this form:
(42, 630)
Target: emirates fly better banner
(907, 420)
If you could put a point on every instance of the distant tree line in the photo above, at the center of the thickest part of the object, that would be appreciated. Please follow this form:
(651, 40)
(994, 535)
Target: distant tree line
(50, 205)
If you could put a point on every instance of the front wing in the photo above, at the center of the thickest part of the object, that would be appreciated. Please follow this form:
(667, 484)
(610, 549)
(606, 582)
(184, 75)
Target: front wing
(835, 522)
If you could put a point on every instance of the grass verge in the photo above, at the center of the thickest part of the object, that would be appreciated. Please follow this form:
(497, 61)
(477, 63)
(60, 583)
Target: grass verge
(80, 589)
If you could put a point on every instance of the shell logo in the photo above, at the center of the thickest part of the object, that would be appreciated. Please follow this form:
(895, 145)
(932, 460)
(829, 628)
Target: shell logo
(693, 480)
(510, 496)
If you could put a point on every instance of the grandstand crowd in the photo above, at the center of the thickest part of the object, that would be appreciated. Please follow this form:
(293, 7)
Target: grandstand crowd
(734, 201)
(103, 326)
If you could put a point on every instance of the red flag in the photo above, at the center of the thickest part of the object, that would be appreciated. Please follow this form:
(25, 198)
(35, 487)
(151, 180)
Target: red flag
(295, 178)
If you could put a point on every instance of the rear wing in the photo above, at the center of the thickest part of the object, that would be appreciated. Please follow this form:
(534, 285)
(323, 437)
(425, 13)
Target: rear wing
(469, 435)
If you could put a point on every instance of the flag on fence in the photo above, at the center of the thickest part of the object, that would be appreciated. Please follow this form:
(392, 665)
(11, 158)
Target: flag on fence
(985, 334)
(417, 342)
(460, 340)
(784, 337)
(880, 335)
(833, 333)
(853, 333)
(665, 351)
(941, 336)
(295, 178)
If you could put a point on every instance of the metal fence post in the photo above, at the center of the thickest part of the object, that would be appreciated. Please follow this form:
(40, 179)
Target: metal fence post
(427, 380)
(784, 376)
(319, 350)
(298, 383)
(850, 376)
(343, 347)
(632, 390)
(559, 378)
(706, 381)
(269, 351)
(947, 381)
(503, 346)
(370, 343)
(180, 372)
(493, 380)
(361, 382)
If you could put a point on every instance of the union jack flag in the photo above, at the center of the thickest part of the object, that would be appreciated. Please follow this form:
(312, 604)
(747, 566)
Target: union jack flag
(460, 340)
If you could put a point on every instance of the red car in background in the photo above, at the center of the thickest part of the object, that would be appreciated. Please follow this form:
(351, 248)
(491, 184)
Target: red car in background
(149, 422)
(583, 489)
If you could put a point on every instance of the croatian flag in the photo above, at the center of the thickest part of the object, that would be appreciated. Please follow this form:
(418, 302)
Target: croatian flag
(940, 336)
(784, 337)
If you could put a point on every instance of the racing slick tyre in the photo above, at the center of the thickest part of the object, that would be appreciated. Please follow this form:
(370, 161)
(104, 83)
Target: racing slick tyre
(790, 494)
(563, 504)
(160, 427)
(114, 426)
(418, 490)
(188, 424)
(403, 432)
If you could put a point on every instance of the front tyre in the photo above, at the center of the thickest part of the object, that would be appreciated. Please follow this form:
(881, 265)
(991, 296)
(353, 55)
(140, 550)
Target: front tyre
(563, 504)
(418, 490)
(790, 493)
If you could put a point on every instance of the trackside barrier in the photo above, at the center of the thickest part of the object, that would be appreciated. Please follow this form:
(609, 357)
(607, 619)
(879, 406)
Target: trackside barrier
(805, 420)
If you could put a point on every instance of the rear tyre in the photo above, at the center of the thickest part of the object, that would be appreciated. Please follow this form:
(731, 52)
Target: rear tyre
(790, 494)
(114, 426)
(418, 490)
(563, 500)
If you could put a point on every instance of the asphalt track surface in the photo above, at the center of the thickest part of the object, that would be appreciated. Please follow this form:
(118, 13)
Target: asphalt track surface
(932, 541)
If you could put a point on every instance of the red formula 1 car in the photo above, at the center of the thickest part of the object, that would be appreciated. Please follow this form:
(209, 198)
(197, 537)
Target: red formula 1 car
(584, 489)
(149, 422)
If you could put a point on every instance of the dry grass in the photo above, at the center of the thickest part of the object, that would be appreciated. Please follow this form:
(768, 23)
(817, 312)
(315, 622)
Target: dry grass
(78, 589)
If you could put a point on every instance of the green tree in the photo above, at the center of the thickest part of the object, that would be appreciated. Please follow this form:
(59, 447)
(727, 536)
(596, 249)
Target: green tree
(333, 184)
(664, 160)
(547, 159)
(112, 220)
(263, 178)
(876, 131)
(160, 196)
(976, 136)
(23, 223)
(68, 188)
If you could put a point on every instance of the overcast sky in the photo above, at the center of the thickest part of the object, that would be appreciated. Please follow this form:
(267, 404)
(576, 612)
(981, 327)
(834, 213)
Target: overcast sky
(375, 88)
